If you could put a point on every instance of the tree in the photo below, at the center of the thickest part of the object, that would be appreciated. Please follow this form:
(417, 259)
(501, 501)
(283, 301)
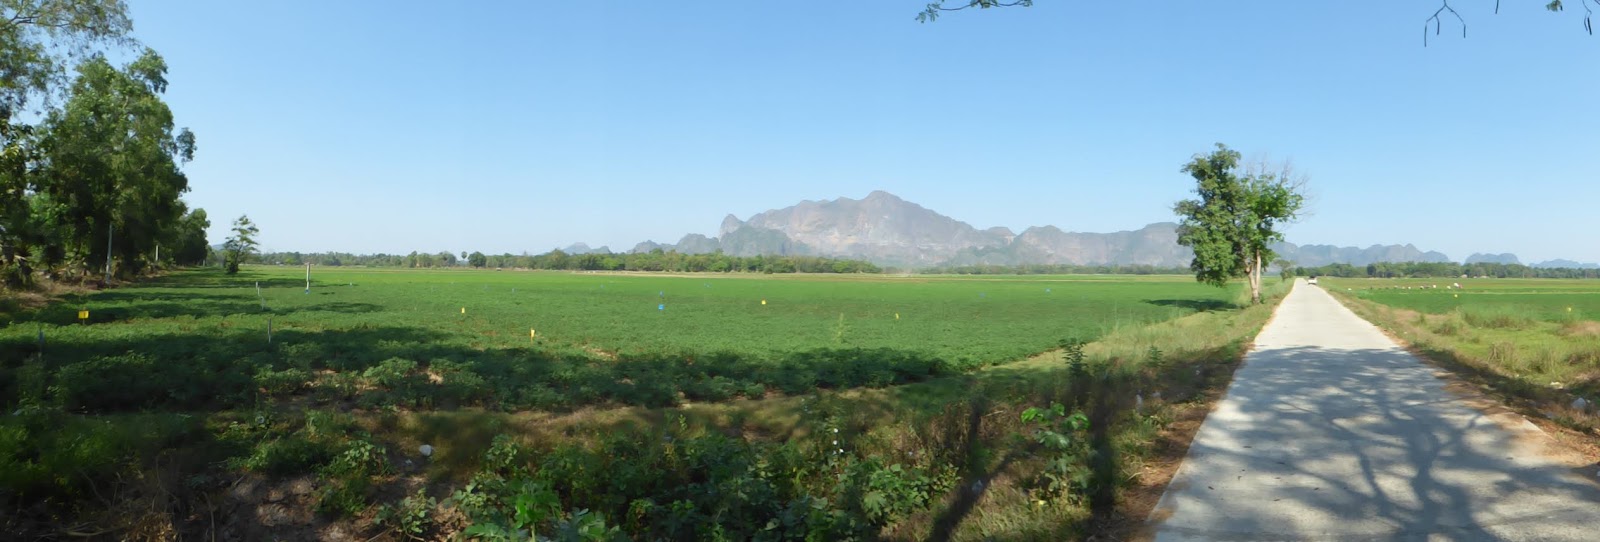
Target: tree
(477, 259)
(38, 40)
(189, 245)
(1285, 268)
(111, 162)
(1237, 216)
(240, 245)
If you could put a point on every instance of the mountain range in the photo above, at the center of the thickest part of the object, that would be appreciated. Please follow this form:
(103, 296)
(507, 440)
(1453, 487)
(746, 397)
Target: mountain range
(887, 230)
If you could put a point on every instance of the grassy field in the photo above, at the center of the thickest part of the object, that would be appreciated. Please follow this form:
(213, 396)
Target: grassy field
(1547, 300)
(520, 340)
(668, 407)
(1536, 341)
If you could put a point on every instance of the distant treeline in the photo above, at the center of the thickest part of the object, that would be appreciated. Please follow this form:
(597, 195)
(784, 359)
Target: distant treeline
(1058, 269)
(655, 260)
(1446, 269)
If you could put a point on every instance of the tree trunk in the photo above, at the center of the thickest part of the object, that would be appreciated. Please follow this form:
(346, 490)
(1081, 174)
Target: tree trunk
(1254, 273)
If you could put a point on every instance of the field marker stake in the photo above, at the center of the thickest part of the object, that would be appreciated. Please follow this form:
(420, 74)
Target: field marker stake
(269, 330)
(263, 298)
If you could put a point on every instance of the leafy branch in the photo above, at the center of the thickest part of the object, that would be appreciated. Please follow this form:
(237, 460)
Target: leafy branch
(932, 11)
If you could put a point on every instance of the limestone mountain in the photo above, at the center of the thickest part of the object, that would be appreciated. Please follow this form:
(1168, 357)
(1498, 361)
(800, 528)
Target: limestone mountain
(1567, 264)
(1318, 255)
(880, 227)
(887, 230)
(1493, 258)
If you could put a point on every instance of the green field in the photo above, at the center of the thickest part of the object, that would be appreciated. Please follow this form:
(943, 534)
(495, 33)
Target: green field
(531, 340)
(672, 407)
(1534, 299)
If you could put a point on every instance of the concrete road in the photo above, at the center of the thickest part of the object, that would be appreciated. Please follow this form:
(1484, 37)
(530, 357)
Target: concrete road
(1330, 431)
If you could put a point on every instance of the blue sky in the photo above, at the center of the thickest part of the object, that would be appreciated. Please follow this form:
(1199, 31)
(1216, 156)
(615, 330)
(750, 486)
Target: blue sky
(524, 126)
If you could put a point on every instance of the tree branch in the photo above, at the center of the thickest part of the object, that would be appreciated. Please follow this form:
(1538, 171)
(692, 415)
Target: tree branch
(931, 13)
(1437, 22)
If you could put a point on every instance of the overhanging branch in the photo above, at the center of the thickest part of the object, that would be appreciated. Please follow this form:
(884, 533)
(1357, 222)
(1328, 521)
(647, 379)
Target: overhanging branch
(931, 13)
(1438, 23)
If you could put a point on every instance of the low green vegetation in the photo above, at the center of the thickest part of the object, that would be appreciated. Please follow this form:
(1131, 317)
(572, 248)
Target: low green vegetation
(552, 341)
(786, 420)
(1537, 341)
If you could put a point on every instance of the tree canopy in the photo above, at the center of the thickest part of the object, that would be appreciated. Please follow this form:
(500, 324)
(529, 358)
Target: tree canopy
(241, 245)
(1237, 216)
(97, 180)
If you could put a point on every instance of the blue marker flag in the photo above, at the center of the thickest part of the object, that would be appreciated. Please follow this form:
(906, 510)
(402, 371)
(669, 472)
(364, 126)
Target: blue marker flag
(661, 307)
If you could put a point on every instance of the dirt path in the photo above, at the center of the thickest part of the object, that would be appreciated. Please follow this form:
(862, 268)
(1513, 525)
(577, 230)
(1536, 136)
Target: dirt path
(1331, 431)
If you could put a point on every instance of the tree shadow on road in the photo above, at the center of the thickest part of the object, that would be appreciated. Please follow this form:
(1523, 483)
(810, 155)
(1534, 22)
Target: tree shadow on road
(1427, 463)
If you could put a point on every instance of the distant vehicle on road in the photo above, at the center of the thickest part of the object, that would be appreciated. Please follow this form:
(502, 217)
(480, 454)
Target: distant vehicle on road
(1312, 281)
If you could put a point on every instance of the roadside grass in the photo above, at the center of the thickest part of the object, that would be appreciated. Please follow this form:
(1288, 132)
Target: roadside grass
(1525, 346)
(948, 456)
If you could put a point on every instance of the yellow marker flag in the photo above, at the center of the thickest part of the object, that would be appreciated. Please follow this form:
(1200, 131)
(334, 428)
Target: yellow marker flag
(533, 334)
(463, 310)
(763, 302)
(897, 316)
(84, 315)
(1569, 309)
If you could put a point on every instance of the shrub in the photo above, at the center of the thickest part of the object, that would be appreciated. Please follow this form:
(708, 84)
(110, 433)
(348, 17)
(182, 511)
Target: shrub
(285, 456)
(283, 382)
(1498, 318)
(412, 517)
(348, 477)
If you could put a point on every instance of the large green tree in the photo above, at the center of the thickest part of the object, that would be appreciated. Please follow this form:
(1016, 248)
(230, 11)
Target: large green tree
(111, 163)
(1237, 216)
(189, 246)
(39, 41)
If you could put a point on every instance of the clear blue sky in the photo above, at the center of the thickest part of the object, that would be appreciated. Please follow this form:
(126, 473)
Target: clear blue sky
(524, 126)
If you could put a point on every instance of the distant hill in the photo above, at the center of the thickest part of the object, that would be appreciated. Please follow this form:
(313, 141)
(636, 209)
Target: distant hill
(887, 230)
(580, 248)
(1566, 264)
(1319, 255)
(1506, 258)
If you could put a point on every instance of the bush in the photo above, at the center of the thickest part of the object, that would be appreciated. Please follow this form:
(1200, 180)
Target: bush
(283, 382)
(349, 476)
(412, 518)
(1498, 318)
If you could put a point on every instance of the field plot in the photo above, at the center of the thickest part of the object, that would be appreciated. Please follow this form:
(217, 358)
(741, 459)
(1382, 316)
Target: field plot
(520, 340)
(167, 412)
(1547, 300)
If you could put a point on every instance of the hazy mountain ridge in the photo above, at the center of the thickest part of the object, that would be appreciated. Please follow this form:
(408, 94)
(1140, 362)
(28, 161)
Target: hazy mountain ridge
(1566, 264)
(887, 230)
(1506, 258)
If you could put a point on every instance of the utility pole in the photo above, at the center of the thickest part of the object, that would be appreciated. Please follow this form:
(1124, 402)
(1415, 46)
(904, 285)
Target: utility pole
(108, 253)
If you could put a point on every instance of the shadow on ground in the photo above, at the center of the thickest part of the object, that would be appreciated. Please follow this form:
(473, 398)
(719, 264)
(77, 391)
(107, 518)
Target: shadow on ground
(1368, 443)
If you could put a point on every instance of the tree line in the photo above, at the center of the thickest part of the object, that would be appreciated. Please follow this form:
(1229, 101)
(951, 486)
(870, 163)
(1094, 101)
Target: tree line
(1446, 270)
(655, 260)
(90, 162)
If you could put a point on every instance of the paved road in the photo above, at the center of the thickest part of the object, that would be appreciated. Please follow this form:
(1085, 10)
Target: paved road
(1330, 431)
